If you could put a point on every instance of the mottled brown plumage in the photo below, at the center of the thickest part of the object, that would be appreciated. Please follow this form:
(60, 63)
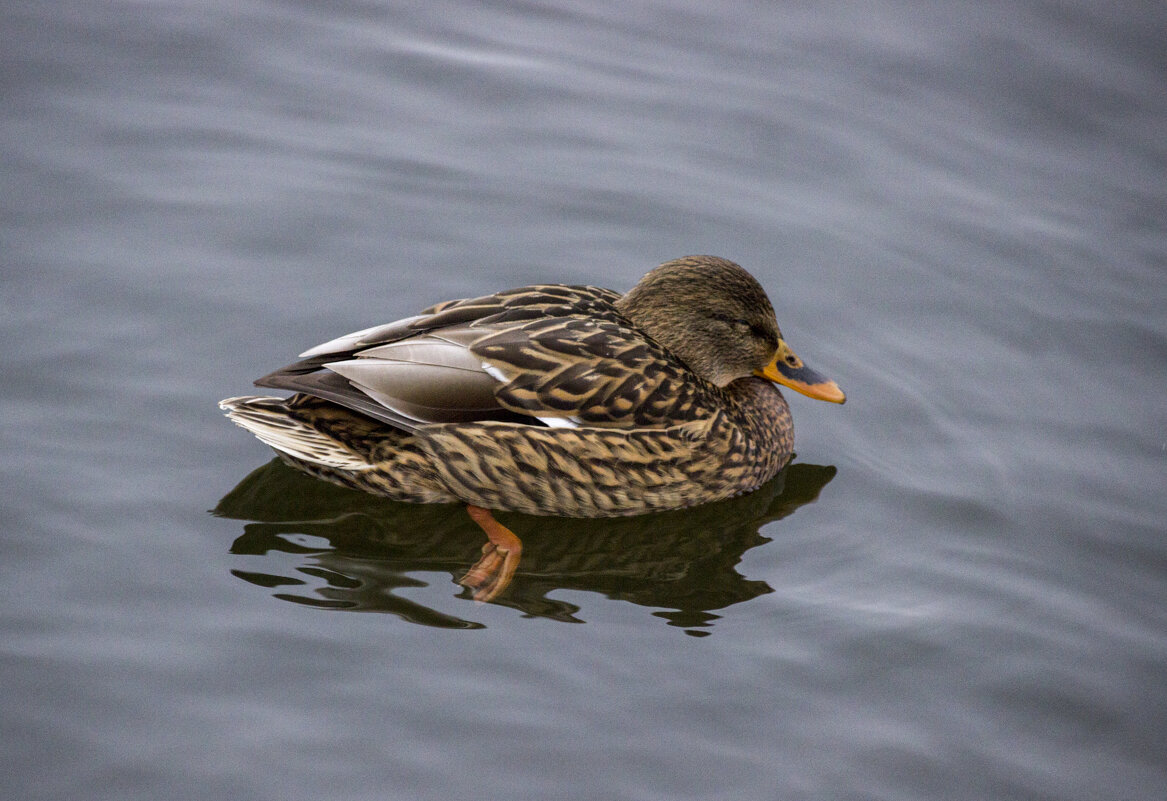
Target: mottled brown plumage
(557, 400)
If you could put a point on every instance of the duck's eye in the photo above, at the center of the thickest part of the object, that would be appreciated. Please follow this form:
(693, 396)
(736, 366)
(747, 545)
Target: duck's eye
(737, 322)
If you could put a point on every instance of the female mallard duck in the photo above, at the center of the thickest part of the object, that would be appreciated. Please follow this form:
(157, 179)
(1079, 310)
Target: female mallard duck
(571, 401)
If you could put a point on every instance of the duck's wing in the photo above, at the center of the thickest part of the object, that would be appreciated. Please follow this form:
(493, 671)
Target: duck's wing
(589, 371)
(424, 369)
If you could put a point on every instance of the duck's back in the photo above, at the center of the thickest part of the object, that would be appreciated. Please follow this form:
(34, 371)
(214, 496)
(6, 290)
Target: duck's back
(547, 355)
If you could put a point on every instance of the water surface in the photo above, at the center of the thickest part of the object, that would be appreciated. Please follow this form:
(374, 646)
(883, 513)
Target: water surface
(956, 591)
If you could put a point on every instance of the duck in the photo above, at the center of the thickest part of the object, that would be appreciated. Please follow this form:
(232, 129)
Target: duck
(552, 399)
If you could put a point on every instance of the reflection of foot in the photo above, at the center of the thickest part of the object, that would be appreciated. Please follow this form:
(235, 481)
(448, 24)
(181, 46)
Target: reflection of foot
(491, 574)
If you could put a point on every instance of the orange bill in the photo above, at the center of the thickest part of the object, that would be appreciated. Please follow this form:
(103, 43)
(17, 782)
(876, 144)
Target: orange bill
(789, 371)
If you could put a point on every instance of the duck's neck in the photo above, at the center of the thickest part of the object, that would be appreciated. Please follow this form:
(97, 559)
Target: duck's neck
(682, 337)
(758, 408)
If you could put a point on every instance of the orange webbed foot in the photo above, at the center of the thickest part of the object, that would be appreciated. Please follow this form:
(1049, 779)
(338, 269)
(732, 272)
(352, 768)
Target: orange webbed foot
(492, 573)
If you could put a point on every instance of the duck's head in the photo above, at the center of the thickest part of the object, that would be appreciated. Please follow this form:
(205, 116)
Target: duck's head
(716, 318)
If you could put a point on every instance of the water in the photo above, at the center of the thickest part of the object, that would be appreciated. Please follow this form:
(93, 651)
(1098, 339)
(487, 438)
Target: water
(957, 591)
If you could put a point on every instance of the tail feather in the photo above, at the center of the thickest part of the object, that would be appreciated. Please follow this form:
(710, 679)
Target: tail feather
(271, 420)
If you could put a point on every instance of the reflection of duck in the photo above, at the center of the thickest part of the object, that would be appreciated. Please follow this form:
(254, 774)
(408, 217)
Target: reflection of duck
(354, 551)
(550, 400)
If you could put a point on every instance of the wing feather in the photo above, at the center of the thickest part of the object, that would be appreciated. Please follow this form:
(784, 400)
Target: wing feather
(546, 355)
(599, 372)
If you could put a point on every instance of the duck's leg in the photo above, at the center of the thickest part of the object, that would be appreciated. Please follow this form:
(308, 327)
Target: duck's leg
(491, 574)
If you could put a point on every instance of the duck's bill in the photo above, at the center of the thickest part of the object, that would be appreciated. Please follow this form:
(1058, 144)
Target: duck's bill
(789, 371)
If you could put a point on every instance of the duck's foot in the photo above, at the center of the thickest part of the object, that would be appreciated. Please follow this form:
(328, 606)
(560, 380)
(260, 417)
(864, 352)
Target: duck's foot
(491, 574)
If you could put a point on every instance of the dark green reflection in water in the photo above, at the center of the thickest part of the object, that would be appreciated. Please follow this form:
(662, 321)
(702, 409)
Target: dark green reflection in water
(367, 547)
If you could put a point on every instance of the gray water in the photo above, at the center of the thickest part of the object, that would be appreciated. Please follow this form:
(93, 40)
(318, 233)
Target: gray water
(957, 590)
